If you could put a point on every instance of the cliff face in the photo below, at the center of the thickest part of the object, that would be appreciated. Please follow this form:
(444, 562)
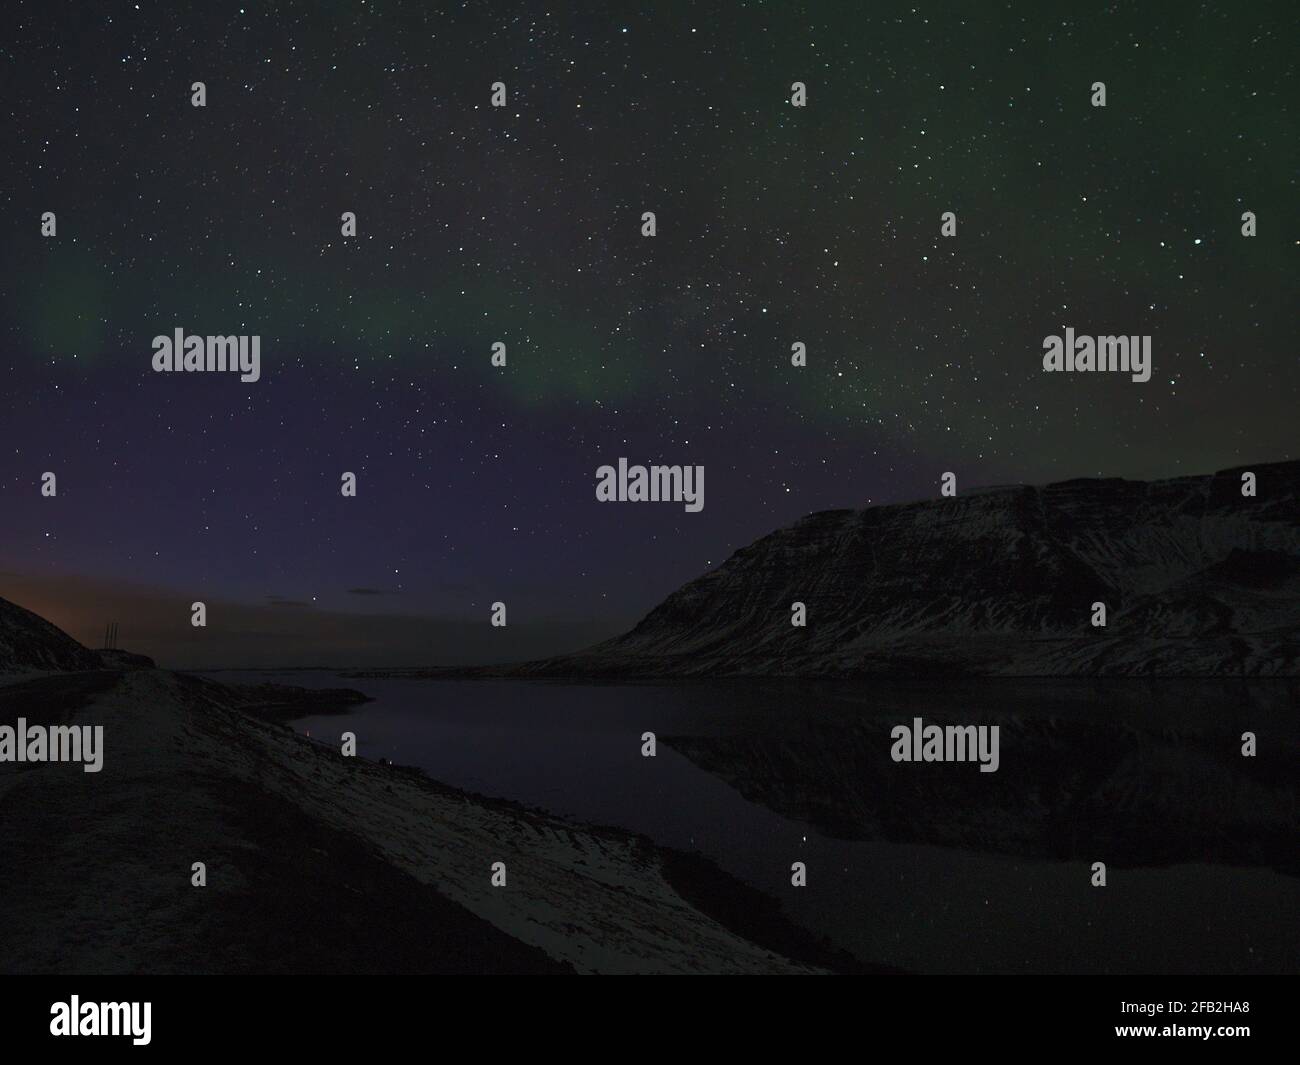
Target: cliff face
(1197, 580)
(28, 643)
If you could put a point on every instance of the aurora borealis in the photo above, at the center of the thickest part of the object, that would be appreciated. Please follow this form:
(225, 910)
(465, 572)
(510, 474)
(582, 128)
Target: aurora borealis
(521, 225)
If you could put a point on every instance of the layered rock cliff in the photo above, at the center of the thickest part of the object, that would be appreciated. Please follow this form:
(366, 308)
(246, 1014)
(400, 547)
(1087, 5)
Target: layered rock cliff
(1197, 580)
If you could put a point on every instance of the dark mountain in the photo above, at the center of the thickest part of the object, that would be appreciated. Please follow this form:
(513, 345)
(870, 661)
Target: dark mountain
(28, 643)
(1198, 580)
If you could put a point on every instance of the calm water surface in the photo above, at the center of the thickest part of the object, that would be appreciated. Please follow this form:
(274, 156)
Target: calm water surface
(925, 867)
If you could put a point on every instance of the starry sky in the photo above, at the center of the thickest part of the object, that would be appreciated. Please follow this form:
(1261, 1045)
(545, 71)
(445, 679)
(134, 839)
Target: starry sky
(522, 225)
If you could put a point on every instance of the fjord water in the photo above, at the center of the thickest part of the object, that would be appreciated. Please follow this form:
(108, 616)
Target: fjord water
(926, 867)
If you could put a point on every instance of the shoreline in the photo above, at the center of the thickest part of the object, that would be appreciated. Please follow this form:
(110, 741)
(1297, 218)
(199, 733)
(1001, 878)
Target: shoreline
(320, 863)
(733, 903)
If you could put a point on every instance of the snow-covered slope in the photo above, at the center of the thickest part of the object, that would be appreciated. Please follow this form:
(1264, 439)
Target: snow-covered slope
(1197, 580)
(29, 643)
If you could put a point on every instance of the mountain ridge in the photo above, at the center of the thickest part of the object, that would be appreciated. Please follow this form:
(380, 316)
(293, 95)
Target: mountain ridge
(1197, 579)
(30, 644)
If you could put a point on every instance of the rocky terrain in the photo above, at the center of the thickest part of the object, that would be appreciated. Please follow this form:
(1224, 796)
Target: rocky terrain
(1198, 580)
(316, 862)
(30, 644)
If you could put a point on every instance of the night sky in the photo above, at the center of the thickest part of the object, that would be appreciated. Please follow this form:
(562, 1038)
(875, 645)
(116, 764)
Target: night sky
(523, 225)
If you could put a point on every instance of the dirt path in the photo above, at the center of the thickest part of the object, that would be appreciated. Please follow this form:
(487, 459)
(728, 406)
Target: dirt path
(315, 863)
(95, 868)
